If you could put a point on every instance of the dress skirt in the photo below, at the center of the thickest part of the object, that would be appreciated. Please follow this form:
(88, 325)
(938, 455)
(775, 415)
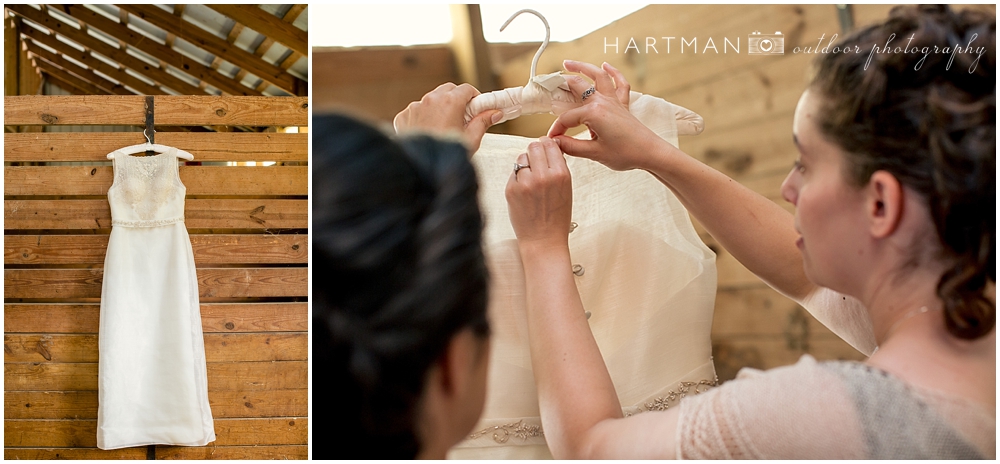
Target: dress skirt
(152, 385)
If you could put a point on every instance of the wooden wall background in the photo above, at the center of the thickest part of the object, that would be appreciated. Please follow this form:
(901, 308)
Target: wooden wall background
(248, 228)
(747, 101)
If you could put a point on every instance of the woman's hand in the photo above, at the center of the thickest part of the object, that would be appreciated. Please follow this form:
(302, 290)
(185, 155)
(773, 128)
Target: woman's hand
(442, 110)
(540, 196)
(619, 140)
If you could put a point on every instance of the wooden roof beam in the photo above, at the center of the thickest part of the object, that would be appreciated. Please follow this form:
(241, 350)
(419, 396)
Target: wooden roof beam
(234, 33)
(266, 24)
(84, 87)
(161, 52)
(66, 85)
(472, 52)
(91, 62)
(82, 73)
(293, 13)
(214, 45)
(159, 75)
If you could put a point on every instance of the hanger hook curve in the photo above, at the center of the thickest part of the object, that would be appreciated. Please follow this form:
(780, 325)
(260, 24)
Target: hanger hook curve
(148, 140)
(538, 54)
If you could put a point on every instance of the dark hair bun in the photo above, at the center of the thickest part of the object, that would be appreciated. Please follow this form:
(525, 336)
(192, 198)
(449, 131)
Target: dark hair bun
(398, 270)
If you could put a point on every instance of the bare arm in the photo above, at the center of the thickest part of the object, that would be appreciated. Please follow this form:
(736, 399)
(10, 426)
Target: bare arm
(759, 234)
(579, 406)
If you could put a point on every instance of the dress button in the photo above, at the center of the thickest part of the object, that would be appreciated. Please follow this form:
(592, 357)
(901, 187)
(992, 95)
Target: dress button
(587, 313)
(578, 269)
(572, 227)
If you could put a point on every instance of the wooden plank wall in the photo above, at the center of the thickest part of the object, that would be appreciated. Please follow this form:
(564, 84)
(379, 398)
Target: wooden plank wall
(249, 233)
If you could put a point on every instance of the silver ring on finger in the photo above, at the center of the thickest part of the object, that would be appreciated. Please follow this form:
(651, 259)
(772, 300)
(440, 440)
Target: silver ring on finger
(519, 166)
(587, 93)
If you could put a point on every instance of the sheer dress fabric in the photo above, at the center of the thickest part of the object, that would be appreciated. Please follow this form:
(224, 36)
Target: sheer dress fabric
(647, 279)
(152, 377)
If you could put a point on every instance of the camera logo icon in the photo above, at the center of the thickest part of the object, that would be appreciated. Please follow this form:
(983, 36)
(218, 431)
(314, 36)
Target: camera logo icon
(766, 44)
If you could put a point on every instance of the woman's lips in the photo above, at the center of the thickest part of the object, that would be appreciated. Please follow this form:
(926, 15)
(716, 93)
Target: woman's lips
(799, 243)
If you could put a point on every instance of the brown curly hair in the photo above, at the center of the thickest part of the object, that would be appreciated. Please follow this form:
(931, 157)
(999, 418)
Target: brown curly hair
(926, 113)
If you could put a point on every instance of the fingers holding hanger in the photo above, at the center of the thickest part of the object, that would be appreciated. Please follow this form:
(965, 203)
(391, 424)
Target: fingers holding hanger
(602, 81)
(577, 85)
(442, 111)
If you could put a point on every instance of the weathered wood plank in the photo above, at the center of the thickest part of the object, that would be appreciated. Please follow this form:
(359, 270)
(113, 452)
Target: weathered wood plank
(199, 180)
(749, 150)
(208, 248)
(52, 318)
(164, 452)
(83, 433)
(212, 283)
(224, 404)
(171, 110)
(218, 347)
(232, 452)
(383, 81)
(760, 310)
(84, 109)
(12, 454)
(199, 214)
(232, 111)
(761, 352)
(238, 376)
(205, 146)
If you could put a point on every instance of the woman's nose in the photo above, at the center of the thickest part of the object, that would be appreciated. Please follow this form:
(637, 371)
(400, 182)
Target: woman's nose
(789, 189)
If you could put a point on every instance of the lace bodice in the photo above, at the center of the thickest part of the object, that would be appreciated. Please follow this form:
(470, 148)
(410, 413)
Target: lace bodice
(147, 191)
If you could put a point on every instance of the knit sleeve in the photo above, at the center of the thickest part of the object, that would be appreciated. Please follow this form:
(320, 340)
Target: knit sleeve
(793, 412)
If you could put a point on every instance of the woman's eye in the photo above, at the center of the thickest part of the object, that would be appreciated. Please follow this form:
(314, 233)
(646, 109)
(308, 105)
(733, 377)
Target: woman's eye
(799, 167)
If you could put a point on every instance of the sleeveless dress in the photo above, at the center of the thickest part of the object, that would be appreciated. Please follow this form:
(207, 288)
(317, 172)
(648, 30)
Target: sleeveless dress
(152, 378)
(644, 275)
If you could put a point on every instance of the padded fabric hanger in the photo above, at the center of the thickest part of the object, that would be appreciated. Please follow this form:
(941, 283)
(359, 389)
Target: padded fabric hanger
(549, 93)
(149, 146)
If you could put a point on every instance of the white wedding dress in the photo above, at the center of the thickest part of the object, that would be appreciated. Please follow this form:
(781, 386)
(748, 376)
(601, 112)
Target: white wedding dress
(152, 385)
(643, 273)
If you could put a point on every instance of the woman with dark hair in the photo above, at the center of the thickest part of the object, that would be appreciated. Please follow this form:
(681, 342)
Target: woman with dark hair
(400, 336)
(895, 195)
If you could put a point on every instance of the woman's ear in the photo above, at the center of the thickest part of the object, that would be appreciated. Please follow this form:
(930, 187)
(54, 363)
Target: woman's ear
(457, 362)
(883, 203)
(454, 392)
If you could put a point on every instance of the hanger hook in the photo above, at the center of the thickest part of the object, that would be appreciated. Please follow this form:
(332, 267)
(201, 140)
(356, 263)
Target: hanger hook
(538, 54)
(148, 140)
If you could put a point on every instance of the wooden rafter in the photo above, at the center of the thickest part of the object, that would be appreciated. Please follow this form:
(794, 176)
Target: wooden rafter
(81, 72)
(267, 24)
(59, 74)
(160, 52)
(70, 87)
(234, 33)
(214, 45)
(105, 64)
(95, 64)
(89, 42)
